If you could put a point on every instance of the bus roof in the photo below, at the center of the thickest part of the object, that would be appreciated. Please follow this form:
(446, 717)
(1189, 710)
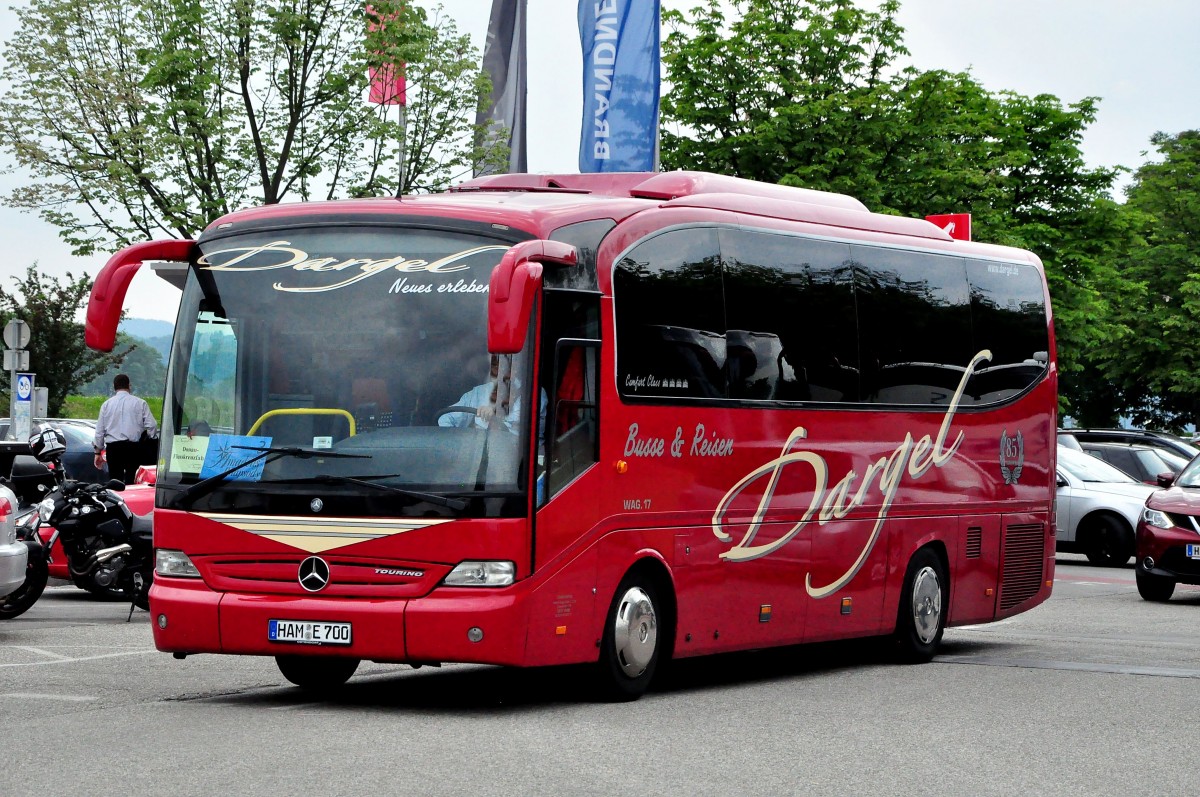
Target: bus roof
(538, 204)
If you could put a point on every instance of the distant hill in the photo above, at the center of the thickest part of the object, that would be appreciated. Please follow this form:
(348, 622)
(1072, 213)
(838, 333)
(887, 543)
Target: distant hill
(146, 328)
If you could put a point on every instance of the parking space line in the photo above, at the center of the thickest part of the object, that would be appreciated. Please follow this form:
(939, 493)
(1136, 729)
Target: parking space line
(81, 658)
(37, 696)
(1074, 666)
(40, 652)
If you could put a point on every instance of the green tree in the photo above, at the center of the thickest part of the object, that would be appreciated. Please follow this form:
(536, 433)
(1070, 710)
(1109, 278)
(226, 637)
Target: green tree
(57, 353)
(813, 93)
(139, 118)
(1155, 364)
(143, 364)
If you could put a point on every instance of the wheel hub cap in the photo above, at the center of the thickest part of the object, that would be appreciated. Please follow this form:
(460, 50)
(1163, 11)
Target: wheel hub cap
(927, 604)
(635, 632)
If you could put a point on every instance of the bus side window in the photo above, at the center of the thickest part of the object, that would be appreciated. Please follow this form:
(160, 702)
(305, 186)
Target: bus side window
(572, 446)
(568, 378)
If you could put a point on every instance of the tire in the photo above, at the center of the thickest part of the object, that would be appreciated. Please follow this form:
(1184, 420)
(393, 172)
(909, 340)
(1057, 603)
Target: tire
(37, 573)
(1108, 541)
(1154, 588)
(921, 617)
(316, 673)
(631, 645)
(141, 597)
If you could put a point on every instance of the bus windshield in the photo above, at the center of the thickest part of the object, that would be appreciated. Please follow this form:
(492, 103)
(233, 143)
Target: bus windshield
(347, 366)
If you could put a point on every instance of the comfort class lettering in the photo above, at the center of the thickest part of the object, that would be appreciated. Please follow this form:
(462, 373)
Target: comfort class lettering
(282, 255)
(914, 457)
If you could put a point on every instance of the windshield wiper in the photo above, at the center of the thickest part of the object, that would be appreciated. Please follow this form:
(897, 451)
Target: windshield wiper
(270, 454)
(457, 504)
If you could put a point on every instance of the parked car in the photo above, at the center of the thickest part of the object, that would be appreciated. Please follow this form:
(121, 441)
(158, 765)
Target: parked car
(1173, 443)
(1097, 508)
(1168, 536)
(13, 553)
(1141, 462)
(80, 458)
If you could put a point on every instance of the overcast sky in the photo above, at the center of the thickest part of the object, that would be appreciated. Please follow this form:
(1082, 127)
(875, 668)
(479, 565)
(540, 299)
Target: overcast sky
(1140, 58)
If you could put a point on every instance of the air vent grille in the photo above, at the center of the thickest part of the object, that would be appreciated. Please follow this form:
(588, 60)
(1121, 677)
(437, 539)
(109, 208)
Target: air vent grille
(1024, 560)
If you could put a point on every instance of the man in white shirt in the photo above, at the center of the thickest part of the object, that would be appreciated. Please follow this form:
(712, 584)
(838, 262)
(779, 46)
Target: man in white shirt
(490, 399)
(123, 419)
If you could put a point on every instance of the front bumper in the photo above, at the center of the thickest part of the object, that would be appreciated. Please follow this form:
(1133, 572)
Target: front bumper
(188, 617)
(1168, 550)
(13, 559)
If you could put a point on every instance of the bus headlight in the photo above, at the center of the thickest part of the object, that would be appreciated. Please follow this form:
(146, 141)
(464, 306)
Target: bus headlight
(1156, 518)
(481, 574)
(174, 564)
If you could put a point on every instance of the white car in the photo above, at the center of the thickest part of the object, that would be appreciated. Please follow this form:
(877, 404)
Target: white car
(13, 554)
(1097, 508)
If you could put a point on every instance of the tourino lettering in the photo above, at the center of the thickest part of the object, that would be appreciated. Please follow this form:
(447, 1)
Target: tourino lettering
(915, 457)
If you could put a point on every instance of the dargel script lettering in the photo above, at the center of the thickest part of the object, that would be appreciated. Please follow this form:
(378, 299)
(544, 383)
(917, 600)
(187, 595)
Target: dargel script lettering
(282, 255)
(914, 457)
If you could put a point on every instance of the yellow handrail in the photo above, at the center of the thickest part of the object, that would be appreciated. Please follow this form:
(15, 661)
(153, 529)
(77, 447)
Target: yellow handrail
(302, 411)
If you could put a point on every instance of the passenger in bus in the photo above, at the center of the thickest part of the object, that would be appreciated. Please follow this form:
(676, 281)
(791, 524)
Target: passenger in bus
(494, 395)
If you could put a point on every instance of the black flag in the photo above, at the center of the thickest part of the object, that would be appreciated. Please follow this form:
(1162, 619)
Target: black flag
(504, 61)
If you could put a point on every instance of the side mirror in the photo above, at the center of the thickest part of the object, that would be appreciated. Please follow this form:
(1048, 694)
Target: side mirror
(1166, 479)
(1062, 482)
(514, 285)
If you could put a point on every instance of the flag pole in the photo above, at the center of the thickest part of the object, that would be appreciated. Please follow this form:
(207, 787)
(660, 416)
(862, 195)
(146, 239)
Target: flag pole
(403, 148)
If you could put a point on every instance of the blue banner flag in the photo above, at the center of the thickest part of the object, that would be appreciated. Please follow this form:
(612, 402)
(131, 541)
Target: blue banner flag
(620, 85)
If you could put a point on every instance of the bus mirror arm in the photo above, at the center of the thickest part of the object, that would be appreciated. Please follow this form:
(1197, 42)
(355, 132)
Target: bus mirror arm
(111, 284)
(514, 284)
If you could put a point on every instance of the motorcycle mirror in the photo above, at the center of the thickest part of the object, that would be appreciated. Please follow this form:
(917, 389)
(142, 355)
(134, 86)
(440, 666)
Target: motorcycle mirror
(116, 485)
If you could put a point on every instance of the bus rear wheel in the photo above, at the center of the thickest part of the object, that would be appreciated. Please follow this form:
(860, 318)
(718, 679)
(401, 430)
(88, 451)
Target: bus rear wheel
(316, 673)
(630, 647)
(921, 619)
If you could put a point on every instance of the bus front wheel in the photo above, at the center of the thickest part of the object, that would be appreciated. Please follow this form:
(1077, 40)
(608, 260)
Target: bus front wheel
(630, 647)
(316, 673)
(923, 603)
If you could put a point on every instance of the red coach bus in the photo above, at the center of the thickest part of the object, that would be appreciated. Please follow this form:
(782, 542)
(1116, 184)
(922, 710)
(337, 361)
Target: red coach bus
(606, 419)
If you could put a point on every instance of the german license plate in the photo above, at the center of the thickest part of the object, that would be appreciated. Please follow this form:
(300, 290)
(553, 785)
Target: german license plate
(308, 632)
(1193, 551)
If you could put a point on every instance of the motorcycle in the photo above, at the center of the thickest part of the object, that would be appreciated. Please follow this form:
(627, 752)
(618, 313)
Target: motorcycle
(107, 548)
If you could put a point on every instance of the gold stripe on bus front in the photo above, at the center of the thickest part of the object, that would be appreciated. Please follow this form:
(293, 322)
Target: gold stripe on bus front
(316, 535)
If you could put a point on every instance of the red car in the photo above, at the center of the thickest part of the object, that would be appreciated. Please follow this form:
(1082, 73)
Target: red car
(140, 500)
(1168, 536)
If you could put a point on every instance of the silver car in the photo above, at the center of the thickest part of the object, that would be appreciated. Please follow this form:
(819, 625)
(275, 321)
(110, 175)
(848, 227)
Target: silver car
(13, 554)
(1097, 508)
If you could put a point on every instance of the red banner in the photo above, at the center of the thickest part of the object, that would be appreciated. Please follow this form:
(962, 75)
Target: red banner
(387, 81)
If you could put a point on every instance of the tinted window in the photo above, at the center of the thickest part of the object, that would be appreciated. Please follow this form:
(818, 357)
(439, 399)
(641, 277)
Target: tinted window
(761, 316)
(671, 317)
(914, 324)
(790, 307)
(1008, 310)
(585, 237)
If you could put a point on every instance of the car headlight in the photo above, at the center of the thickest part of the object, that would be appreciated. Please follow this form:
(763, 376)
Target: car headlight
(1157, 519)
(174, 564)
(481, 574)
(46, 509)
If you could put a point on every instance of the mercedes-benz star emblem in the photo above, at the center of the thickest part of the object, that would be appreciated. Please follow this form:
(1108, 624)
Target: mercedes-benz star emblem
(316, 505)
(314, 574)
